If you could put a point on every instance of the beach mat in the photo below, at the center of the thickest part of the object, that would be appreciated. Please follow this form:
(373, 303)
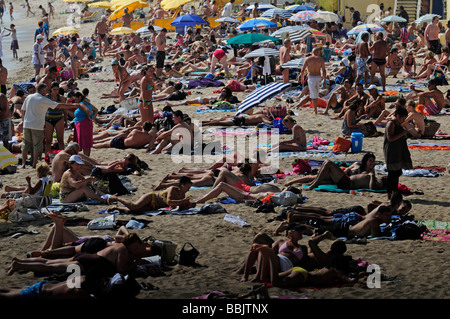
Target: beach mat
(334, 189)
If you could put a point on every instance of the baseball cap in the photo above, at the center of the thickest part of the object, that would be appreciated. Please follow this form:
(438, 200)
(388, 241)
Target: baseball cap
(345, 61)
(76, 159)
(372, 87)
(39, 36)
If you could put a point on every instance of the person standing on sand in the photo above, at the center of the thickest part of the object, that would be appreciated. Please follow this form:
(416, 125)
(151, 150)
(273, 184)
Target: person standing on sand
(314, 65)
(2, 9)
(38, 54)
(14, 42)
(11, 11)
(380, 50)
(161, 51)
(285, 51)
(101, 30)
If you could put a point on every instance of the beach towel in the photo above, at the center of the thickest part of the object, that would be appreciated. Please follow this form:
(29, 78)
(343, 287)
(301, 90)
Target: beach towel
(204, 82)
(334, 189)
(421, 146)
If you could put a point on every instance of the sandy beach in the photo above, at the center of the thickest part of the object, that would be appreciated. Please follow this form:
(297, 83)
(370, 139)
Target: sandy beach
(420, 267)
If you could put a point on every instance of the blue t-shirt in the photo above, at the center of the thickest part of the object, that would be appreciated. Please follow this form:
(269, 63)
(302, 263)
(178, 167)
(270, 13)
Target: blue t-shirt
(80, 115)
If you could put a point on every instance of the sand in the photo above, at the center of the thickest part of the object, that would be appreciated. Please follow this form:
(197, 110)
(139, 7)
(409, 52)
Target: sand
(421, 267)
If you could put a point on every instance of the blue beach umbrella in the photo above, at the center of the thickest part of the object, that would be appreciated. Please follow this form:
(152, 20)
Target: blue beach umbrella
(187, 20)
(298, 8)
(256, 24)
(261, 94)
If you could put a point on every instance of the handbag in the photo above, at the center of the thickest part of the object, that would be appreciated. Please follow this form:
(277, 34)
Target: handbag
(187, 257)
(341, 145)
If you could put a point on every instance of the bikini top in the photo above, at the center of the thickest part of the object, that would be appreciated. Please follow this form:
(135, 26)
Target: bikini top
(285, 249)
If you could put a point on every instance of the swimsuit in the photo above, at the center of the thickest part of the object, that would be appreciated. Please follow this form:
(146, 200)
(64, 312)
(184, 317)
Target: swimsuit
(432, 108)
(362, 65)
(314, 86)
(379, 62)
(344, 182)
(160, 57)
(285, 263)
(435, 46)
(90, 261)
(118, 142)
(34, 291)
(244, 187)
(301, 270)
(285, 249)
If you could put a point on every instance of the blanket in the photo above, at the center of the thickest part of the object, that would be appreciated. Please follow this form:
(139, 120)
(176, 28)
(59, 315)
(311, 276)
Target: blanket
(334, 189)
(204, 82)
(429, 146)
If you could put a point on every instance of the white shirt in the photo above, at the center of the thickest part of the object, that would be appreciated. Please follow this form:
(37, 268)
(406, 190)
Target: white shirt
(227, 10)
(35, 107)
(39, 49)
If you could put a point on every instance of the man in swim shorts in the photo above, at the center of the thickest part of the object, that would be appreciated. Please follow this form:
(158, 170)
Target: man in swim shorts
(434, 99)
(161, 51)
(315, 66)
(362, 55)
(380, 50)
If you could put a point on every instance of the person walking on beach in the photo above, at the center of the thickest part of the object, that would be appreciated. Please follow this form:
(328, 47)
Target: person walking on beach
(29, 9)
(380, 50)
(51, 10)
(2, 9)
(432, 37)
(285, 51)
(315, 65)
(11, 11)
(100, 30)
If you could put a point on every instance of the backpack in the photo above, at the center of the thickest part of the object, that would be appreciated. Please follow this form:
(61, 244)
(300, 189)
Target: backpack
(410, 230)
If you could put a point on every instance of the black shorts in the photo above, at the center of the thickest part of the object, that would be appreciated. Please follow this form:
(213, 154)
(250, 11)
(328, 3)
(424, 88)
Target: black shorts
(379, 62)
(337, 229)
(160, 57)
(435, 46)
(118, 142)
(3, 89)
(238, 120)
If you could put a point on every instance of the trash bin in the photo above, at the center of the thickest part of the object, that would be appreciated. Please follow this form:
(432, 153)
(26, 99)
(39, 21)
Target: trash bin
(357, 142)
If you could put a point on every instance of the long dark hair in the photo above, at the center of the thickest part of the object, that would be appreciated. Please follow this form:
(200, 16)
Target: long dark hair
(364, 160)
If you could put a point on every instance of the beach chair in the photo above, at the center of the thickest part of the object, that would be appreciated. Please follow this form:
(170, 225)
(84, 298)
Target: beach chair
(88, 18)
(31, 201)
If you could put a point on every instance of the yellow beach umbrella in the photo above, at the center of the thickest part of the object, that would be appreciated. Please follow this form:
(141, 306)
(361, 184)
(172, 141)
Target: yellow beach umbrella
(101, 4)
(65, 31)
(130, 5)
(173, 4)
(121, 31)
(75, 1)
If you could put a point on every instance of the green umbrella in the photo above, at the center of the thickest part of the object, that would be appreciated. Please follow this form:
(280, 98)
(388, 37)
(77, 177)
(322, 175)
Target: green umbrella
(248, 39)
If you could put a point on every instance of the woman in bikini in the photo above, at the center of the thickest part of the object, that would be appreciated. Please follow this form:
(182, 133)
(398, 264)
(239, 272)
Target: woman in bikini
(145, 99)
(286, 254)
(409, 65)
(50, 51)
(298, 141)
(55, 120)
(75, 187)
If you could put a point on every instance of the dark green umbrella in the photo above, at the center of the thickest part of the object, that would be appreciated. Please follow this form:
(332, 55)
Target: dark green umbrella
(247, 39)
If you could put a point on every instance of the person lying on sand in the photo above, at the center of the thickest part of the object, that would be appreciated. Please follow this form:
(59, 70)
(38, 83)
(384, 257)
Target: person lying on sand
(137, 137)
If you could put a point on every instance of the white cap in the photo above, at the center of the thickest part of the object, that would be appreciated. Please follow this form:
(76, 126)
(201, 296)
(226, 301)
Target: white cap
(372, 87)
(39, 36)
(345, 61)
(76, 159)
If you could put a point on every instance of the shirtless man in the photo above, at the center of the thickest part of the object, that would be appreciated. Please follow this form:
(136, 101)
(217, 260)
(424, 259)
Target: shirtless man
(3, 77)
(285, 51)
(425, 98)
(61, 161)
(375, 104)
(6, 125)
(415, 122)
(447, 35)
(136, 138)
(126, 19)
(362, 55)
(330, 172)
(380, 50)
(117, 257)
(181, 131)
(160, 51)
(316, 72)
(432, 36)
(368, 226)
(345, 92)
(101, 30)
(160, 13)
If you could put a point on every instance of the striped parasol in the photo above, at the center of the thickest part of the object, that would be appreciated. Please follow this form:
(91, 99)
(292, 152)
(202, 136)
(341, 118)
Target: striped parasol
(261, 94)
(271, 13)
(294, 64)
(303, 16)
(316, 33)
(299, 35)
(6, 157)
(366, 27)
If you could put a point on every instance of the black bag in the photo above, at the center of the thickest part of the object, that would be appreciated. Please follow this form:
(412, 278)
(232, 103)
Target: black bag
(177, 96)
(187, 257)
(409, 230)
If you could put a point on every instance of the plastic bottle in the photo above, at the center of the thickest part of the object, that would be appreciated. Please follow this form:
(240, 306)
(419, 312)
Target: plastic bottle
(353, 192)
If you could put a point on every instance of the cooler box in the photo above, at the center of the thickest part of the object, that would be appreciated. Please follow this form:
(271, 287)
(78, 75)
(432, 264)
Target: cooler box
(357, 142)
